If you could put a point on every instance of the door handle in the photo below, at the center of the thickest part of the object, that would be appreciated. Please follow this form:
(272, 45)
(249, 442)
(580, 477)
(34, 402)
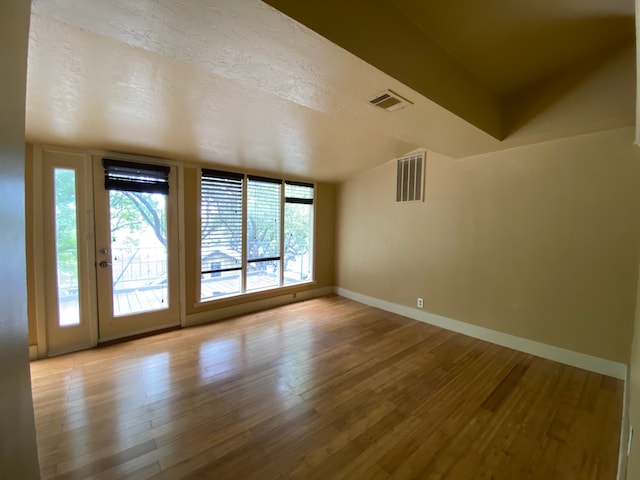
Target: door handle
(104, 264)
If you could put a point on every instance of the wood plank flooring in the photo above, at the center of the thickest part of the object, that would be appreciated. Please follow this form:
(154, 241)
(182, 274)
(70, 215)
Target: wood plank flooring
(323, 389)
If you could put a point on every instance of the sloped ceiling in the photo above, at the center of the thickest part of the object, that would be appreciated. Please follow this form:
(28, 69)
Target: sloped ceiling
(237, 83)
(473, 58)
(513, 46)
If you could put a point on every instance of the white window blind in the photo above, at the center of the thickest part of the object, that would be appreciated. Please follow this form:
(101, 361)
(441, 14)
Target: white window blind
(221, 233)
(270, 219)
(264, 198)
(298, 192)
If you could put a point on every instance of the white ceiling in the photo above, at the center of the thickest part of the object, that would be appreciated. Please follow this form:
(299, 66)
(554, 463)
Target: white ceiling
(233, 83)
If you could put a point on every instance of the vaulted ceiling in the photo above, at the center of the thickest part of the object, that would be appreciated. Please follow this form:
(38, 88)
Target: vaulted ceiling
(238, 83)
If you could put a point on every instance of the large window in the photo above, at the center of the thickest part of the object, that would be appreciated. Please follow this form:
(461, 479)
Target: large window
(298, 227)
(256, 233)
(264, 200)
(221, 234)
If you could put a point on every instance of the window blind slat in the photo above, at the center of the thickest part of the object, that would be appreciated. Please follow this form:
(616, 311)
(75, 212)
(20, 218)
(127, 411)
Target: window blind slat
(263, 218)
(299, 184)
(221, 229)
(256, 178)
(135, 177)
(297, 192)
(222, 175)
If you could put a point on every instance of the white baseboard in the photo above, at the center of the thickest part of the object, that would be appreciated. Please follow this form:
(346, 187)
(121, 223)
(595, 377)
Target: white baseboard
(624, 432)
(557, 354)
(255, 306)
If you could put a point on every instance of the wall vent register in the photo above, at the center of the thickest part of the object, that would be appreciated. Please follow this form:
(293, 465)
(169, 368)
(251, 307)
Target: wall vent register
(410, 178)
(390, 101)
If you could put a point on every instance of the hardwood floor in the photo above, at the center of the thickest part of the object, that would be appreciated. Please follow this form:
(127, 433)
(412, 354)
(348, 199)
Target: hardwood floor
(326, 389)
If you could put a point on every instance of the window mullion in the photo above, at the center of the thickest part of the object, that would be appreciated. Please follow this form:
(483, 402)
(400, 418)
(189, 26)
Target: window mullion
(199, 239)
(245, 189)
(282, 252)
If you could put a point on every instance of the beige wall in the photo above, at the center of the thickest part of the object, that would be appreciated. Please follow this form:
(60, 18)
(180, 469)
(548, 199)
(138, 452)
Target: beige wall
(633, 467)
(538, 242)
(18, 456)
(633, 380)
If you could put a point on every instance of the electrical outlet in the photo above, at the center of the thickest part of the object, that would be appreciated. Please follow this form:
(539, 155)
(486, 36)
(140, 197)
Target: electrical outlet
(420, 303)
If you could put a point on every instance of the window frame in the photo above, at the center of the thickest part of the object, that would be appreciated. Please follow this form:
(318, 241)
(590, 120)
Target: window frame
(219, 178)
(269, 258)
(199, 301)
(295, 200)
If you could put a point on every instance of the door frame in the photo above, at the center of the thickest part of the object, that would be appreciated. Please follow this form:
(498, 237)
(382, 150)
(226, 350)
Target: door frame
(102, 232)
(43, 256)
(39, 258)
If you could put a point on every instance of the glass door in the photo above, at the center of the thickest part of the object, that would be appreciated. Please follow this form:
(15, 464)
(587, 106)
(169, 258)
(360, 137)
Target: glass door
(136, 248)
(67, 248)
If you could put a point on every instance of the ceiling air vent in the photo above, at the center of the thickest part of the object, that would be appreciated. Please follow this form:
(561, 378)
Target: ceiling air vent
(410, 179)
(390, 101)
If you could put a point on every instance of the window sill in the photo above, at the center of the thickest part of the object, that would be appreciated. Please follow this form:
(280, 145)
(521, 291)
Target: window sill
(253, 294)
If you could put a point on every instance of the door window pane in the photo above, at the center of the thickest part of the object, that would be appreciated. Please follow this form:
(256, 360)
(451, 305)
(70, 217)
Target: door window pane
(66, 238)
(138, 252)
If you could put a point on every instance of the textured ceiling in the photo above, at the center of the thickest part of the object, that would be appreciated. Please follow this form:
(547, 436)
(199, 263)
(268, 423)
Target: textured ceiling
(237, 83)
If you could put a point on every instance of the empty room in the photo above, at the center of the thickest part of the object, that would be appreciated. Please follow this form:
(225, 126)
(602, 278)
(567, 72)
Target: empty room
(250, 239)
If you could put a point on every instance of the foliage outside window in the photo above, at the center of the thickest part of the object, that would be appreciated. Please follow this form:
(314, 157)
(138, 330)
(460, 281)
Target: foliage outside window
(255, 233)
(66, 243)
(298, 221)
(221, 234)
(138, 251)
(264, 198)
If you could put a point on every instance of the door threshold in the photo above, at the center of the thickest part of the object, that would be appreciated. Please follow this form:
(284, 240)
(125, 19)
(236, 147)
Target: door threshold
(137, 336)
